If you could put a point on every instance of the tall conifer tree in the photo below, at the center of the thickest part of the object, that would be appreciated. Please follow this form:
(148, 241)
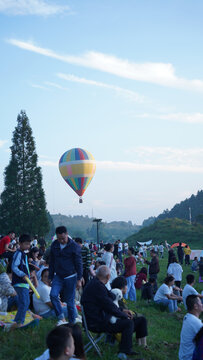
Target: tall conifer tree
(23, 206)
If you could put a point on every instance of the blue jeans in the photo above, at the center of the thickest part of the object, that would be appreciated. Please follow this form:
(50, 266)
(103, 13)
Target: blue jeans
(23, 304)
(120, 256)
(68, 286)
(12, 301)
(172, 304)
(52, 314)
(131, 288)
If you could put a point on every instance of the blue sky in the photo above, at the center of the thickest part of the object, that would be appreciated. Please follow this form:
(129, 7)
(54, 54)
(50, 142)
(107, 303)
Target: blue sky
(122, 79)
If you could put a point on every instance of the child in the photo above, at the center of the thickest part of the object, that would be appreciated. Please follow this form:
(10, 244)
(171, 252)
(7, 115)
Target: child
(21, 271)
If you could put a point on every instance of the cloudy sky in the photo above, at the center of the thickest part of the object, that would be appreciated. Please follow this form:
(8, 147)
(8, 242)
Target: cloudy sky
(122, 79)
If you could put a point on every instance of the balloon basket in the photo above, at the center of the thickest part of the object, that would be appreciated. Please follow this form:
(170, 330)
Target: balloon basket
(80, 200)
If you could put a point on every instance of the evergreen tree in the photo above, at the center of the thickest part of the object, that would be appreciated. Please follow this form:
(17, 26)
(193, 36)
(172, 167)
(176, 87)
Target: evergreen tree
(23, 206)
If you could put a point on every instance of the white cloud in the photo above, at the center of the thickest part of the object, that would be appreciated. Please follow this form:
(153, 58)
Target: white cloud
(125, 92)
(156, 73)
(169, 160)
(39, 87)
(2, 143)
(31, 7)
(167, 156)
(132, 166)
(57, 86)
(190, 118)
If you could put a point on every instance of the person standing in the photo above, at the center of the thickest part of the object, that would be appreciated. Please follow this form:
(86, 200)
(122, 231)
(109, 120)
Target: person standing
(153, 267)
(21, 272)
(130, 275)
(65, 271)
(108, 258)
(187, 252)
(180, 253)
(120, 250)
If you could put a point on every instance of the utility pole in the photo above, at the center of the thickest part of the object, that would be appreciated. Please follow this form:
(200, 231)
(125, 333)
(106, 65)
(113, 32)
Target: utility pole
(97, 222)
(190, 216)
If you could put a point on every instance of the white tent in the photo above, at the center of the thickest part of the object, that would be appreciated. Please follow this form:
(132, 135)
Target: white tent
(145, 243)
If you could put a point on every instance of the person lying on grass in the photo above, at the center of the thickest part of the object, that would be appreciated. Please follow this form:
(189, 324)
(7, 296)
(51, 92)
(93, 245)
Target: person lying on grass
(165, 295)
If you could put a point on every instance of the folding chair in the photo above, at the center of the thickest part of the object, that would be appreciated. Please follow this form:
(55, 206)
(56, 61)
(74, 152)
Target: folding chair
(93, 340)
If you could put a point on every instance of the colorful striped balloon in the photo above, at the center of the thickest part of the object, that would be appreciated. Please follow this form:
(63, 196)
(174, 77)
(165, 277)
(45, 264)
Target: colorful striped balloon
(77, 167)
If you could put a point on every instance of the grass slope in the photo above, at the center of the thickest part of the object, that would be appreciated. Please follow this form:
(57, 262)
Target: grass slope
(163, 338)
(171, 230)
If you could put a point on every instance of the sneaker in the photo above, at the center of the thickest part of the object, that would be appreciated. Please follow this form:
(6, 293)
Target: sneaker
(61, 322)
(78, 320)
(122, 356)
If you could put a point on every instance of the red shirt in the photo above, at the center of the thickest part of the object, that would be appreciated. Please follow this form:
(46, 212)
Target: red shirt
(140, 277)
(130, 266)
(5, 240)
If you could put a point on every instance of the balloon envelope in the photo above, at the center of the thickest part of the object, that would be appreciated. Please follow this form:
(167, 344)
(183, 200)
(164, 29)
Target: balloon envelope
(77, 167)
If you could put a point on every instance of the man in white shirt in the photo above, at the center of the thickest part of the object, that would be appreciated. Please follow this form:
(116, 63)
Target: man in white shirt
(43, 306)
(189, 289)
(120, 250)
(191, 325)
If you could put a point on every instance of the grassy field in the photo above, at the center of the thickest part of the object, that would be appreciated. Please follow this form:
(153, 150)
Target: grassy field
(163, 338)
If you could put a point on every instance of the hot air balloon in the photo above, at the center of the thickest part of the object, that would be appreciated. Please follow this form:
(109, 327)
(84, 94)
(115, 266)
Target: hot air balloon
(77, 167)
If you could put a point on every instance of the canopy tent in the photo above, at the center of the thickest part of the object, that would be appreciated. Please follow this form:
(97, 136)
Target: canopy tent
(144, 243)
(177, 244)
(196, 253)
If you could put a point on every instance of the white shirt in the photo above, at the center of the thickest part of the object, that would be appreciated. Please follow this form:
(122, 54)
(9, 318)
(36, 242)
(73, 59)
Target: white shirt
(40, 306)
(120, 246)
(176, 270)
(162, 291)
(188, 290)
(191, 325)
(161, 248)
(126, 246)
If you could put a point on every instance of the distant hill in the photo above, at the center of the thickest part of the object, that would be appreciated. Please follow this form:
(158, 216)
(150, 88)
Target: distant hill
(84, 227)
(193, 206)
(172, 230)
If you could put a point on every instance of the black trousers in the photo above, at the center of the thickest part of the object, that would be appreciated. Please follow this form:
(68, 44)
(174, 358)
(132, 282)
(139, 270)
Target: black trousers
(123, 326)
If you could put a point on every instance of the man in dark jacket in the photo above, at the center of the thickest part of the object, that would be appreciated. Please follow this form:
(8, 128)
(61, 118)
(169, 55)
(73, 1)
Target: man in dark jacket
(180, 253)
(65, 271)
(153, 268)
(98, 305)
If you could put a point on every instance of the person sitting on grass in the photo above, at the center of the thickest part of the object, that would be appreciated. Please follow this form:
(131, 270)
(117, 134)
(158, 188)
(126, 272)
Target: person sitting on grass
(194, 266)
(60, 344)
(191, 325)
(141, 278)
(140, 322)
(189, 289)
(79, 352)
(198, 340)
(20, 272)
(43, 306)
(147, 290)
(165, 295)
(6, 289)
(201, 269)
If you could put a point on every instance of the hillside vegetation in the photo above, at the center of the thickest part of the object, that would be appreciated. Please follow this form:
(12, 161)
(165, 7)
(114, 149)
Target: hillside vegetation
(84, 227)
(171, 230)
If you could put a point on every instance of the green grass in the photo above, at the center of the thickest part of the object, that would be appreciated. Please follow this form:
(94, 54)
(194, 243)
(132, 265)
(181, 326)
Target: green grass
(163, 338)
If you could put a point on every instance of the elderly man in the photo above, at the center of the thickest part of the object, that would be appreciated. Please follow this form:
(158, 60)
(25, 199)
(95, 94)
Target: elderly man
(98, 305)
(191, 325)
(65, 271)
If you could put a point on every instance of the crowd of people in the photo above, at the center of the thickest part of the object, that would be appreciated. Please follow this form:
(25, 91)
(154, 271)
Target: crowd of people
(71, 273)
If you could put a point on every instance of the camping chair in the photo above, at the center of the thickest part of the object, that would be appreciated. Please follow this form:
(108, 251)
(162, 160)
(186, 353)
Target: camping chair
(93, 340)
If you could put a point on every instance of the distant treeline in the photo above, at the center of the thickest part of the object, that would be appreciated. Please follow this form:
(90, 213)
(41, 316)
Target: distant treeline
(84, 227)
